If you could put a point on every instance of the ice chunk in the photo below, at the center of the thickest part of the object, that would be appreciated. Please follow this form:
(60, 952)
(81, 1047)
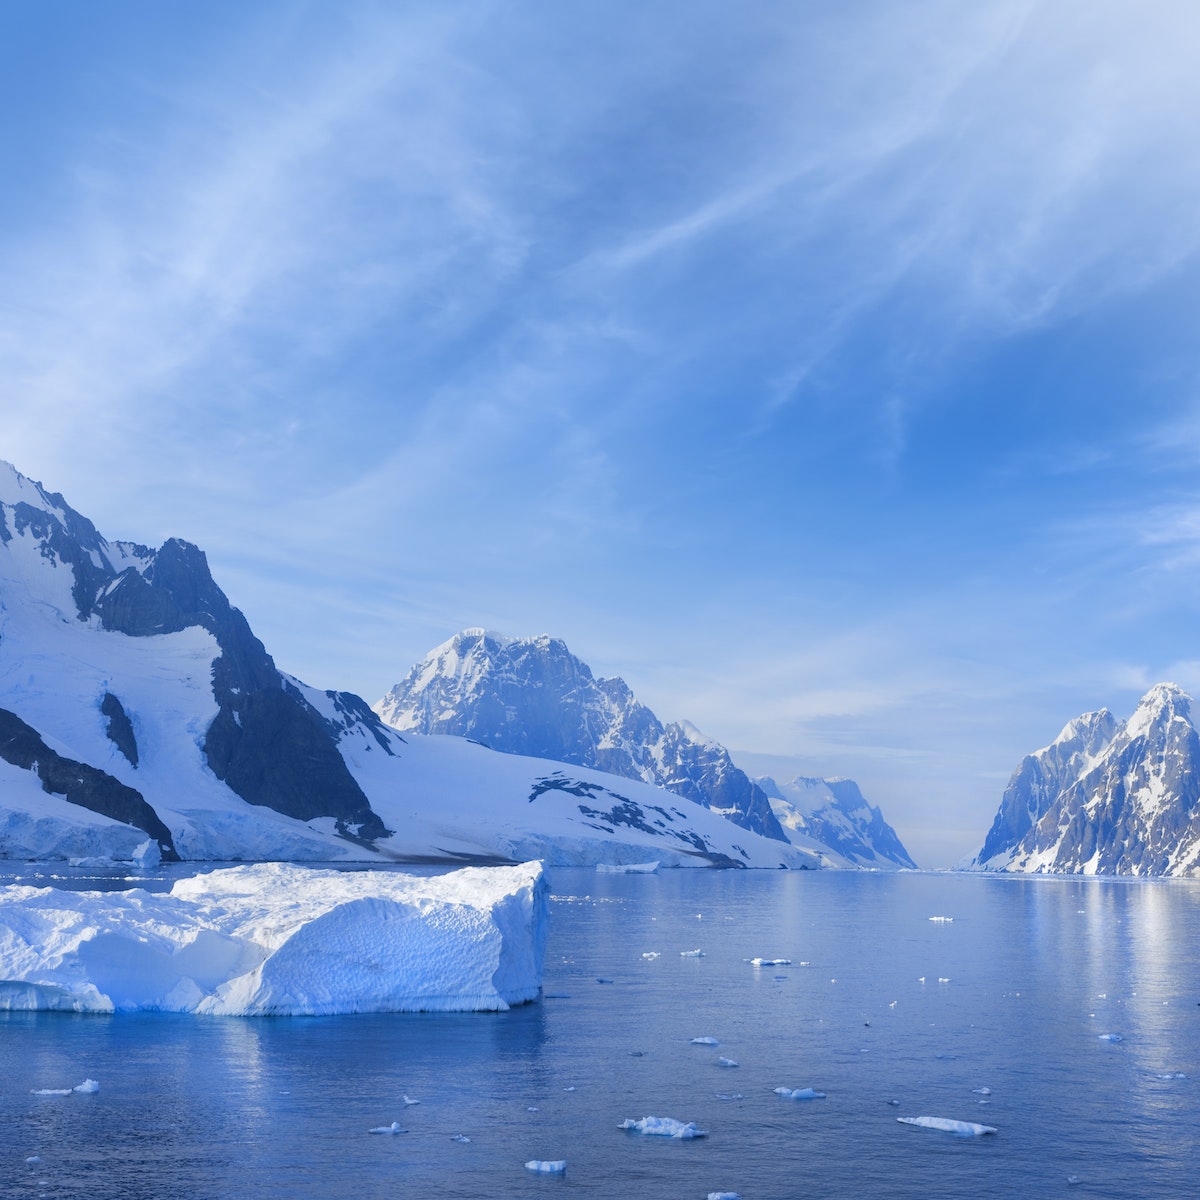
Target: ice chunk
(730, 1096)
(88, 1085)
(409, 1100)
(726, 1062)
(644, 868)
(770, 962)
(947, 1125)
(34, 1159)
(394, 1127)
(724, 1196)
(944, 920)
(705, 1041)
(650, 955)
(1110, 1037)
(280, 939)
(664, 1127)
(799, 1093)
(691, 954)
(147, 854)
(983, 1091)
(547, 1166)
(461, 1137)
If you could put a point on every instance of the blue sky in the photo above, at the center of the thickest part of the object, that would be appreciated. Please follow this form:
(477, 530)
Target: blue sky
(827, 370)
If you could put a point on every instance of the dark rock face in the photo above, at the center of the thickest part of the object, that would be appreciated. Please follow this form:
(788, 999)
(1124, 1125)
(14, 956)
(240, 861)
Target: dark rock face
(266, 742)
(79, 783)
(1107, 799)
(532, 696)
(120, 728)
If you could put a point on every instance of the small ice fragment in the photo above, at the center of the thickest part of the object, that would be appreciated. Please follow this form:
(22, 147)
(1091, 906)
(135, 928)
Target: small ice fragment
(1074, 1179)
(50, 1092)
(664, 1127)
(409, 1100)
(531, 1108)
(394, 1127)
(944, 920)
(724, 1196)
(922, 979)
(34, 1159)
(799, 1093)
(569, 1089)
(730, 1096)
(650, 955)
(460, 1137)
(552, 1166)
(983, 1091)
(691, 954)
(705, 1041)
(86, 1087)
(943, 979)
(894, 1103)
(770, 962)
(1172, 1075)
(948, 1125)
(726, 1062)
(1110, 1037)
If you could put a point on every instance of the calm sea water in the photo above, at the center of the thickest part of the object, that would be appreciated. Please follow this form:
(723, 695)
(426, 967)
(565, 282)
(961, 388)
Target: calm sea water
(879, 1004)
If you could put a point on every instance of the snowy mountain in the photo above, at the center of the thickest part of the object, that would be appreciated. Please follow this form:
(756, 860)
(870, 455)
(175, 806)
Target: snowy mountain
(833, 813)
(1105, 798)
(139, 716)
(533, 696)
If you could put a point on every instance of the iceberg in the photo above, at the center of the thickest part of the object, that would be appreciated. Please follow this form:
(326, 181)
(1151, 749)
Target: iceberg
(279, 939)
(947, 1125)
(663, 1127)
(555, 1166)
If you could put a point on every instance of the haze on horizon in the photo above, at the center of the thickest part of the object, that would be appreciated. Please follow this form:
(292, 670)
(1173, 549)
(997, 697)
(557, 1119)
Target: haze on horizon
(826, 371)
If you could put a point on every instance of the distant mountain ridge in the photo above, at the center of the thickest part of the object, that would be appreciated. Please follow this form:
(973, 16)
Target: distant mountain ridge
(1105, 797)
(533, 696)
(835, 813)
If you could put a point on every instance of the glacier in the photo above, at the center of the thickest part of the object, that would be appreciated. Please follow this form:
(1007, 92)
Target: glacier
(282, 940)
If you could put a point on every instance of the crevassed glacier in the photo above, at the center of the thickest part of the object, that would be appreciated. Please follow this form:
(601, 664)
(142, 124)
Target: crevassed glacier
(280, 939)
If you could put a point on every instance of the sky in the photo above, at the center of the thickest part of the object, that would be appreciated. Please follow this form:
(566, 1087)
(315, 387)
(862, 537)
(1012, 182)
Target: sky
(828, 371)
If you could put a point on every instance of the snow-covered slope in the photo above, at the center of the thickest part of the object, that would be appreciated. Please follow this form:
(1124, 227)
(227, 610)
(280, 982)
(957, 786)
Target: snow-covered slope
(276, 939)
(1106, 798)
(136, 705)
(533, 696)
(834, 814)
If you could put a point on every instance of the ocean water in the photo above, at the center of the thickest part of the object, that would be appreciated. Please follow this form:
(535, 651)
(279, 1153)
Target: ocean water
(887, 1012)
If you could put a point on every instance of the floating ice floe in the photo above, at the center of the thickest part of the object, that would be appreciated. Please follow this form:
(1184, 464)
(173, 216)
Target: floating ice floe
(664, 1127)
(547, 1166)
(85, 1088)
(691, 954)
(461, 1137)
(34, 1159)
(981, 1091)
(724, 1196)
(799, 1093)
(705, 1041)
(730, 1096)
(943, 979)
(1110, 1037)
(943, 920)
(726, 1062)
(279, 939)
(1172, 1075)
(650, 955)
(409, 1100)
(645, 868)
(769, 962)
(394, 1127)
(948, 1125)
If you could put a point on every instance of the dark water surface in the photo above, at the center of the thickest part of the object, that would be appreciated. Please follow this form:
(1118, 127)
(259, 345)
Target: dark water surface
(1034, 971)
